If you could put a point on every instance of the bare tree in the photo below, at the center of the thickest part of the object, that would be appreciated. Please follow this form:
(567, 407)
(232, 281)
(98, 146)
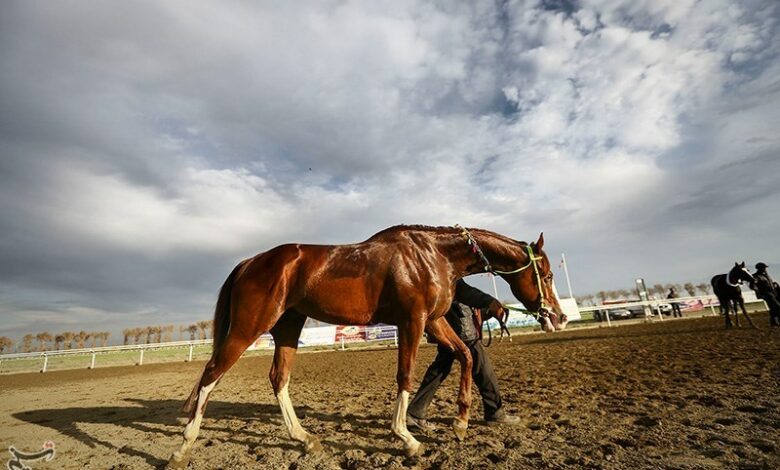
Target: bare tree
(138, 334)
(203, 326)
(67, 339)
(149, 331)
(167, 333)
(127, 332)
(690, 289)
(43, 339)
(104, 338)
(192, 329)
(27, 342)
(5, 343)
(182, 329)
(81, 338)
(59, 340)
(658, 289)
(158, 334)
(704, 287)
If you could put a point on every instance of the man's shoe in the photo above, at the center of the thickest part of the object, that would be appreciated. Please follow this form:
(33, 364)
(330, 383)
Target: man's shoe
(504, 419)
(417, 423)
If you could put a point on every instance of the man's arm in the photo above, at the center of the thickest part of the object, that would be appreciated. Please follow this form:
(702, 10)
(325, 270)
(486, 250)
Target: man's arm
(475, 298)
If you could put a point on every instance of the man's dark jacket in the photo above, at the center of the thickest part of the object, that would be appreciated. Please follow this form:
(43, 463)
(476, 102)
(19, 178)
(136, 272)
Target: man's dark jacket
(765, 286)
(459, 316)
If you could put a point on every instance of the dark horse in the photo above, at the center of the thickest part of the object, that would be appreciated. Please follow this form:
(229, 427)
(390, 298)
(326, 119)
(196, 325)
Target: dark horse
(726, 288)
(404, 276)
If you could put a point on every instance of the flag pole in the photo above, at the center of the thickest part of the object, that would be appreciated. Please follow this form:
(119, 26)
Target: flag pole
(566, 272)
(495, 289)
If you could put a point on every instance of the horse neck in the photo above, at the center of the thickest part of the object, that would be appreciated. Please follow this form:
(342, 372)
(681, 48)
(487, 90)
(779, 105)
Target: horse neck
(502, 253)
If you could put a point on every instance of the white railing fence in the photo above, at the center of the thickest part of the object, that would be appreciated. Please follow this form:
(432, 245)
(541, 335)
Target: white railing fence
(343, 340)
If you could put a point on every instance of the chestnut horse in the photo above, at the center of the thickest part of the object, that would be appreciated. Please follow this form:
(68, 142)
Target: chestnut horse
(726, 289)
(404, 276)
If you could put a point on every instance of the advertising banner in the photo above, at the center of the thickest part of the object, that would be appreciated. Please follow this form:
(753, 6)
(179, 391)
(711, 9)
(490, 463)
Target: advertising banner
(265, 341)
(350, 334)
(379, 332)
(319, 336)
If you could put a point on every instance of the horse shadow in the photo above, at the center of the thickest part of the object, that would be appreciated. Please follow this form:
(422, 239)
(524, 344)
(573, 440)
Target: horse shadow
(162, 417)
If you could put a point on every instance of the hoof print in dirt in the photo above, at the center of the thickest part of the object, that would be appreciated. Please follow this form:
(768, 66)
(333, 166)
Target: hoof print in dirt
(647, 422)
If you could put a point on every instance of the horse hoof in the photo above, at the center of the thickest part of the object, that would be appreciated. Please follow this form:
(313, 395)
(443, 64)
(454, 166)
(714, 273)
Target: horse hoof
(417, 449)
(459, 428)
(179, 461)
(313, 446)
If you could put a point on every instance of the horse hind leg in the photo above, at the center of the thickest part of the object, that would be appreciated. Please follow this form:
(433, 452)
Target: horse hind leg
(220, 362)
(724, 310)
(286, 333)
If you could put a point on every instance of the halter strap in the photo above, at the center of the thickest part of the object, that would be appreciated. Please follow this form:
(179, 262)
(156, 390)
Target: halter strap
(739, 282)
(488, 268)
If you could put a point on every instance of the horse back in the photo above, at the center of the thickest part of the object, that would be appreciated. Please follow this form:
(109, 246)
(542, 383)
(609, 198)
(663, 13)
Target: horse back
(370, 282)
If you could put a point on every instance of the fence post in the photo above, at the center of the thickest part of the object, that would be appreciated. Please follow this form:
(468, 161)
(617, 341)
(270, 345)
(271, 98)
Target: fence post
(92, 365)
(660, 315)
(189, 357)
(609, 323)
(45, 362)
(342, 343)
(395, 337)
(141, 359)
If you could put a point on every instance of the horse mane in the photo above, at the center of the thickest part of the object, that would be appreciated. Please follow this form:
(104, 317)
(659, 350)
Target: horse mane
(442, 229)
(412, 227)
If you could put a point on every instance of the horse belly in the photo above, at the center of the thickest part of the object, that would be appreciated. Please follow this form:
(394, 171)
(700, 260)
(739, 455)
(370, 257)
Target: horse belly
(345, 301)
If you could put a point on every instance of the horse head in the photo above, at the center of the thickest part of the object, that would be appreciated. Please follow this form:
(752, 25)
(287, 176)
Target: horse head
(534, 287)
(740, 273)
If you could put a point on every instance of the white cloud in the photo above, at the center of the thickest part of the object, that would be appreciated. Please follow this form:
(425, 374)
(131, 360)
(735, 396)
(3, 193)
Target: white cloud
(191, 132)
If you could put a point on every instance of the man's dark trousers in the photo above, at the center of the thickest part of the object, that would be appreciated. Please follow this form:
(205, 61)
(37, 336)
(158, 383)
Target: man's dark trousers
(774, 309)
(482, 372)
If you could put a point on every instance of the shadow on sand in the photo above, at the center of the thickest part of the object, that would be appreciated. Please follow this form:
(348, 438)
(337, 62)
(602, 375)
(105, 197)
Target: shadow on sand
(161, 418)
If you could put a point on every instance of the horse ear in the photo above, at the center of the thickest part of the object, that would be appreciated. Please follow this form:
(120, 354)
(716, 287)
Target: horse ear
(736, 265)
(540, 242)
(742, 265)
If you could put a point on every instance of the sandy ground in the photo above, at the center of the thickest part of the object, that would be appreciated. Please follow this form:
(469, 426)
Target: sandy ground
(678, 394)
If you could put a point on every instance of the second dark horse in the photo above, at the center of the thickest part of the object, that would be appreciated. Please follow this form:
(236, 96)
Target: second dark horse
(727, 288)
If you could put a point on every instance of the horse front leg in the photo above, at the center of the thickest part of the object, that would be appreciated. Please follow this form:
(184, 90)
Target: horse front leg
(443, 334)
(744, 312)
(286, 333)
(409, 336)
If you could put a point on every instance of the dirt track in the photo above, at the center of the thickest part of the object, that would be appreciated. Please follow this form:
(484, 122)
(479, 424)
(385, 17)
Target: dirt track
(683, 394)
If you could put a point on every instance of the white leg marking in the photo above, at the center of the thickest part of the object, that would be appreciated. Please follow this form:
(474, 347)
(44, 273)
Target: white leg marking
(193, 427)
(288, 413)
(399, 424)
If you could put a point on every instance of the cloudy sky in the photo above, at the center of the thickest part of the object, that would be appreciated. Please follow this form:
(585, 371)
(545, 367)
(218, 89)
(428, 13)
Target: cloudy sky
(146, 147)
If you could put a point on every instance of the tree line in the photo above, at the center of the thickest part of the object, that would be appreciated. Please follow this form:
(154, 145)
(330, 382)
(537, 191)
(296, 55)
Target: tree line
(163, 334)
(659, 291)
(46, 341)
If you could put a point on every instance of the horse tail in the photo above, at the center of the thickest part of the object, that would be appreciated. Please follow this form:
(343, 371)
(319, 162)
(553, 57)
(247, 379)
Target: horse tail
(221, 330)
(222, 310)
